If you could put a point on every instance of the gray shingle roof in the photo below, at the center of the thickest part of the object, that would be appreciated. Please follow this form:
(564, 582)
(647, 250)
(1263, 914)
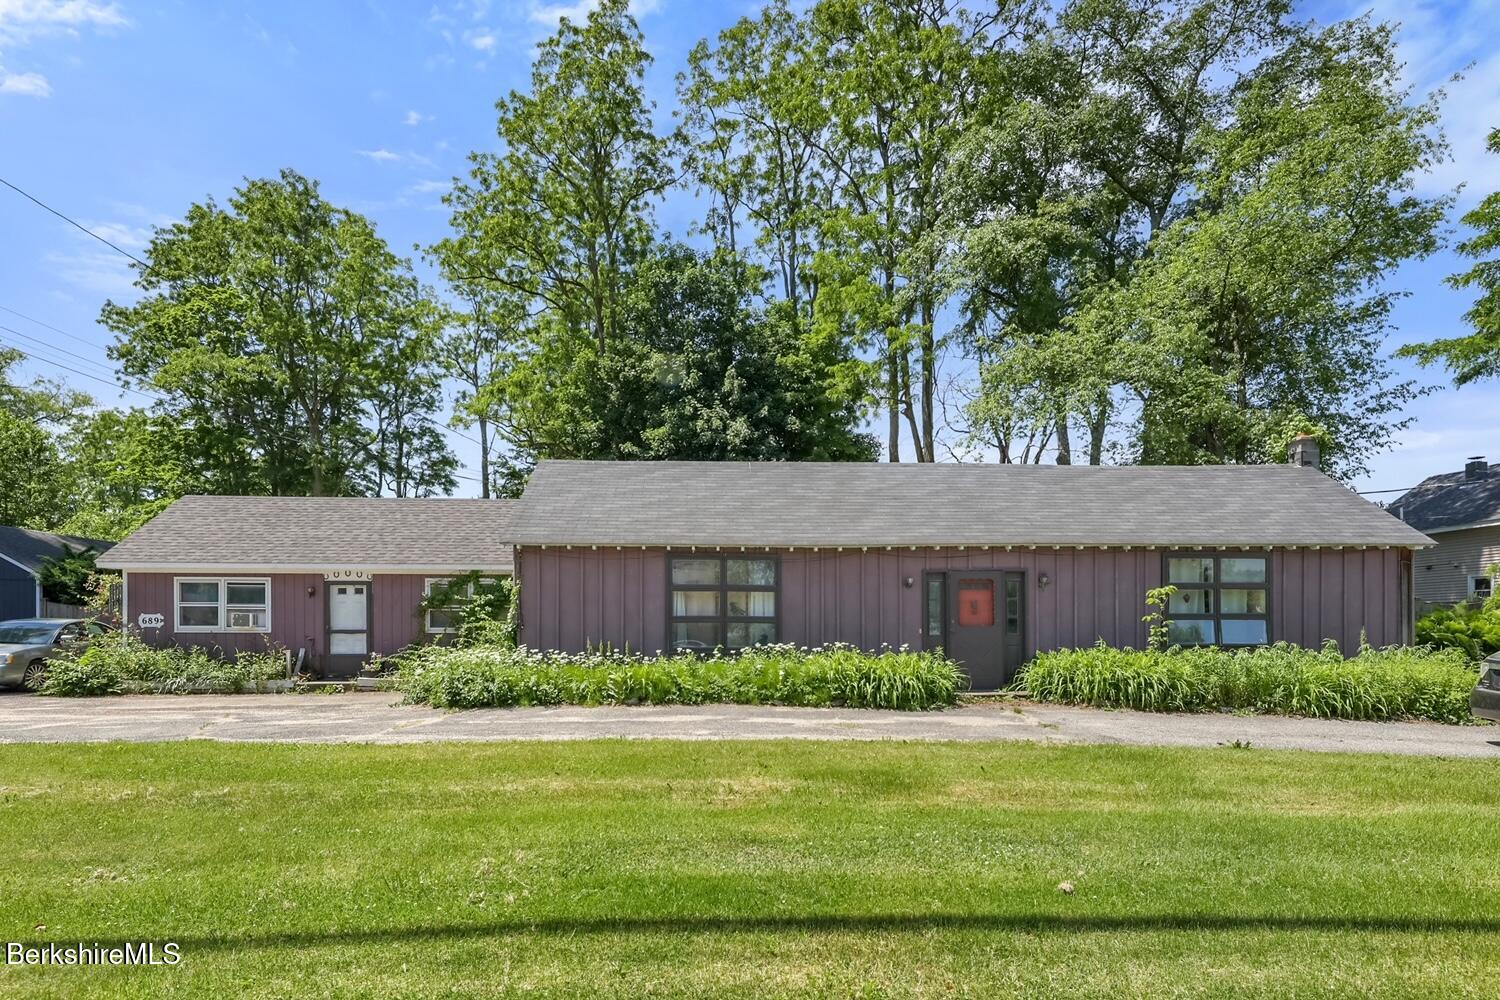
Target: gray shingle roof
(1449, 501)
(31, 548)
(316, 532)
(795, 504)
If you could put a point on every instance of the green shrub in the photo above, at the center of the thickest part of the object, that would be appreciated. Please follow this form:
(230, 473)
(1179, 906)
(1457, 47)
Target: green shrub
(1393, 683)
(472, 677)
(119, 662)
(1475, 631)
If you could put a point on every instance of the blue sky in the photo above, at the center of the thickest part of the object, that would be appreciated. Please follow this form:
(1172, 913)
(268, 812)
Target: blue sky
(123, 113)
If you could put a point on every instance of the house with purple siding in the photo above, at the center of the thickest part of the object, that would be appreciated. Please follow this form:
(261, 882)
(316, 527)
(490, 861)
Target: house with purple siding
(330, 579)
(992, 563)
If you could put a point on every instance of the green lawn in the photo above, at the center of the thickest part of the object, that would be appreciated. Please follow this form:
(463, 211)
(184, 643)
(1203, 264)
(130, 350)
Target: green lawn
(753, 869)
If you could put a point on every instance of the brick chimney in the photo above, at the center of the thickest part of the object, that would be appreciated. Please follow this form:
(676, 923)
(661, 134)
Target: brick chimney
(1476, 470)
(1304, 451)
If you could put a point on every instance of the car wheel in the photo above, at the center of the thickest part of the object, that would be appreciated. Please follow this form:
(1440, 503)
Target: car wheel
(35, 675)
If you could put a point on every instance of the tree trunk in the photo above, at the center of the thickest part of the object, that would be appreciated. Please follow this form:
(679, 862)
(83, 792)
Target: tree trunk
(893, 405)
(929, 382)
(1098, 424)
(315, 434)
(1064, 440)
(484, 457)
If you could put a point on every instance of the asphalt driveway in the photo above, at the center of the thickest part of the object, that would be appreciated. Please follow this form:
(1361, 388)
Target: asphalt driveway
(379, 718)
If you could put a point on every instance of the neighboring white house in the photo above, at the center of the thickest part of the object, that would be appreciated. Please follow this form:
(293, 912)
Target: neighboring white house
(1461, 512)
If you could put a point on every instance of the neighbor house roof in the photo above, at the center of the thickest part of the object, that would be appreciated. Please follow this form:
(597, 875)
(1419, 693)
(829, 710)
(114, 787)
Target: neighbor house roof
(866, 504)
(311, 534)
(1450, 501)
(30, 549)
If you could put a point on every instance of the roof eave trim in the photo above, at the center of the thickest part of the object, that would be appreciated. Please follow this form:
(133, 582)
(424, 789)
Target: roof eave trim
(387, 569)
(1492, 523)
(1425, 543)
(20, 565)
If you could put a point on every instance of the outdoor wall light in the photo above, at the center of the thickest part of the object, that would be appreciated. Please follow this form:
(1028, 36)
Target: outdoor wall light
(312, 591)
(1043, 580)
(908, 583)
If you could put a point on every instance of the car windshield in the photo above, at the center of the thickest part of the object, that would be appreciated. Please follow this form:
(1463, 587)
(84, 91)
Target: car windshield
(26, 635)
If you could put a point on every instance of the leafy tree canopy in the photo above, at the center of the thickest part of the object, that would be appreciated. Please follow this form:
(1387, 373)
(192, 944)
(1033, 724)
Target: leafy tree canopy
(294, 349)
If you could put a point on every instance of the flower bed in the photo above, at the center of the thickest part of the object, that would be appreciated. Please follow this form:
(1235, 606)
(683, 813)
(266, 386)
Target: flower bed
(477, 676)
(1393, 683)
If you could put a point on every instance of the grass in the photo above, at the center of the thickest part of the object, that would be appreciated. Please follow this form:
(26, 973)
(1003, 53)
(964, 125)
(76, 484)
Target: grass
(502, 676)
(1397, 682)
(612, 869)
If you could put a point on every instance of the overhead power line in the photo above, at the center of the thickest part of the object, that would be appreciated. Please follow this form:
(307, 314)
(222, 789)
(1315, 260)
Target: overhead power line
(48, 326)
(75, 224)
(76, 371)
(59, 350)
(125, 253)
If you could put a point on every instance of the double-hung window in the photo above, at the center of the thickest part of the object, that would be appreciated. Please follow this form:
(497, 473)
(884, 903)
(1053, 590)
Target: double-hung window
(1221, 599)
(222, 604)
(722, 601)
(445, 620)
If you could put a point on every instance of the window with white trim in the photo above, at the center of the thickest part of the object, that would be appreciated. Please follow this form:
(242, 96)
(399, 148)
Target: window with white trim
(1481, 588)
(222, 604)
(445, 620)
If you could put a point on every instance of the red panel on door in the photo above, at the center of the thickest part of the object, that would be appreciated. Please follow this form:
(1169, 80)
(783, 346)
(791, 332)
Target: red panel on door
(976, 603)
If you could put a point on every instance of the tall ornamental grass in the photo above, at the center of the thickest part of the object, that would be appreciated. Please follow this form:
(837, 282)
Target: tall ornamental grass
(484, 676)
(119, 663)
(1397, 682)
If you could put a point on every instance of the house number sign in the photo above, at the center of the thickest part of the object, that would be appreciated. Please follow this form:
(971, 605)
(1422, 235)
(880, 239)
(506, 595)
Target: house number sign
(150, 621)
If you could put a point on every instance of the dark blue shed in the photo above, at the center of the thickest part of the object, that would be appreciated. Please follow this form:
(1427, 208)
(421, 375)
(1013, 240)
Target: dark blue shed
(23, 551)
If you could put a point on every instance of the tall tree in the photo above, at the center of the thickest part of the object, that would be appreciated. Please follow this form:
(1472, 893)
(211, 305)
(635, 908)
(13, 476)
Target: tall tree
(563, 210)
(902, 80)
(38, 490)
(126, 467)
(1476, 355)
(408, 451)
(1265, 303)
(1032, 235)
(478, 352)
(755, 136)
(703, 374)
(275, 329)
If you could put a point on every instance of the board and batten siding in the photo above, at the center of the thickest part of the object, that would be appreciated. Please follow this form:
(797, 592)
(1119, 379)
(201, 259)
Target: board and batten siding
(394, 619)
(574, 599)
(297, 618)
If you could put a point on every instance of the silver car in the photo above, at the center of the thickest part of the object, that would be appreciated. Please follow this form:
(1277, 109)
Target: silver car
(26, 643)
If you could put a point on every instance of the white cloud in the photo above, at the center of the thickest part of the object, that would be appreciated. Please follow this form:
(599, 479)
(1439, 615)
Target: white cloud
(431, 187)
(25, 84)
(100, 273)
(1435, 41)
(120, 234)
(415, 118)
(482, 39)
(22, 21)
(379, 155)
(577, 12)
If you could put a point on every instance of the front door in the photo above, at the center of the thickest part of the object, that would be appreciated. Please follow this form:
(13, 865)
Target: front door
(348, 628)
(984, 625)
